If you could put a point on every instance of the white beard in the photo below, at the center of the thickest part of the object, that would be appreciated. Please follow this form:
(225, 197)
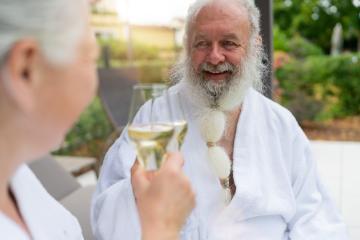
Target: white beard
(211, 111)
(238, 89)
(231, 96)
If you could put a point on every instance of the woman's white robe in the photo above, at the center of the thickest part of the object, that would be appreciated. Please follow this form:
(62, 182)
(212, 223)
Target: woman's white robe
(46, 219)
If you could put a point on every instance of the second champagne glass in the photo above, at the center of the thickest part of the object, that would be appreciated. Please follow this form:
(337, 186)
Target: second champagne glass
(177, 118)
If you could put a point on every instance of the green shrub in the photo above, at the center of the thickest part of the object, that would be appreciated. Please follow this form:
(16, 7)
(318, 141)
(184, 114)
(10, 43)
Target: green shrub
(154, 72)
(145, 52)
(89, 134)
(297, 46)
(321, 87)
(300, 47)
(281, 42)
(117, 47)
(118, 50)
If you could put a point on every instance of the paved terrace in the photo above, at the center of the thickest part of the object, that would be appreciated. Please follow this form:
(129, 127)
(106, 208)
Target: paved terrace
(339, 167)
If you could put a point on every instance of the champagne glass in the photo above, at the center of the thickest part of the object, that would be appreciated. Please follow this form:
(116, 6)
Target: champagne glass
(150, 136)
(177, 118)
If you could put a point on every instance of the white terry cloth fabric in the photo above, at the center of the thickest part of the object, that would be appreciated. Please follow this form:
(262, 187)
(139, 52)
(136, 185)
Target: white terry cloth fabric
(278, 191)
(45, 218)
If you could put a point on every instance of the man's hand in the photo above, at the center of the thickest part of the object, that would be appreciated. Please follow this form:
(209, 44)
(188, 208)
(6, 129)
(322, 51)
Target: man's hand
(164, 198)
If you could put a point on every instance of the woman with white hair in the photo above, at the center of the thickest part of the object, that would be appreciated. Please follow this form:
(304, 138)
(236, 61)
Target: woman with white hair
(47, 77)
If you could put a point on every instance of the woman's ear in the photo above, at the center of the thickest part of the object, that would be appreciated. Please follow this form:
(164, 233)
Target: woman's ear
(21, 72)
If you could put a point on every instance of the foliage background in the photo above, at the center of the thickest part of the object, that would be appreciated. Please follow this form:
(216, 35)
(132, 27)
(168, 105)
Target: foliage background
(312, 84)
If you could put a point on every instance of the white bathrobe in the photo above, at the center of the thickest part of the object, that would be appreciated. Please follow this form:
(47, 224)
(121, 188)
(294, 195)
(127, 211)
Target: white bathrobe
(278, 192)
(45, 218)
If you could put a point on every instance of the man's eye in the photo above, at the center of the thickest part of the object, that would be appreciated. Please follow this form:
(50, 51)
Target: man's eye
(230, 44)
(201, 44)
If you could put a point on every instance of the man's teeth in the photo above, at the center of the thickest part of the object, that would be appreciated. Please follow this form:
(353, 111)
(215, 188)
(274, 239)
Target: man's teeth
(217, 72)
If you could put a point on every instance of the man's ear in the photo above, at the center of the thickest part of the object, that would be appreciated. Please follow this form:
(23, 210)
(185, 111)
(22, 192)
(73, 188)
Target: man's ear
(21, 72)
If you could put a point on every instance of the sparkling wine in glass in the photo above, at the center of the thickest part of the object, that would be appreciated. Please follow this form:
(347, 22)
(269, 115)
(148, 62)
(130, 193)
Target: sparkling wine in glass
(150, 137)
(177, 118)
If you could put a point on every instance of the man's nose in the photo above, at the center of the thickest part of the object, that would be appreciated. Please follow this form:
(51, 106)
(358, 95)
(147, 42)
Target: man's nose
(216, 55)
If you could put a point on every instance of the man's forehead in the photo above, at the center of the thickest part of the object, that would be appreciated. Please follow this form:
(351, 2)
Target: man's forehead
(220, 11)
(229, 29)
(226, 35)
(227, 20)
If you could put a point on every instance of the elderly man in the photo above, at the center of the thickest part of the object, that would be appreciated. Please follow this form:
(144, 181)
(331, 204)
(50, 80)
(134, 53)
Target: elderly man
(248, 160)
(47, 77)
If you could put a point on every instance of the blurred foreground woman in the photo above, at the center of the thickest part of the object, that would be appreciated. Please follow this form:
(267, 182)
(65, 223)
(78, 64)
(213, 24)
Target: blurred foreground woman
(47, 77)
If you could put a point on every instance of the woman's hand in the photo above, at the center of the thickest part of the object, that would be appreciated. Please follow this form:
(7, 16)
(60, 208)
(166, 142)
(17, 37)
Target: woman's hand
(164, 198)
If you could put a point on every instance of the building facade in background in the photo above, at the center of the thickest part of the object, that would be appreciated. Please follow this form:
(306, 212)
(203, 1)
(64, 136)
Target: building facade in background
(108, 24)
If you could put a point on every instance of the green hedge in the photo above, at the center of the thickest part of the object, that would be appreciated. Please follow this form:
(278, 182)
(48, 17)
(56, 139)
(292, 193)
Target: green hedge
(156, 71)
(300, 47)
(89, 134)
(297, 46)
(321, 87)
(118, 50)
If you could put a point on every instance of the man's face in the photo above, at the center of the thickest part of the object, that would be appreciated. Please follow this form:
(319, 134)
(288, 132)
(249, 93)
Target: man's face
(218, 42)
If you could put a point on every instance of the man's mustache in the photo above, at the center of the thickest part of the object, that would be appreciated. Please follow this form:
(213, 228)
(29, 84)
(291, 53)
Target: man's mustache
(219, 68)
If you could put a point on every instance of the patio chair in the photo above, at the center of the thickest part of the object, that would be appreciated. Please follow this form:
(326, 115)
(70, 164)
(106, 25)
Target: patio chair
(115, 91)
(65, 189)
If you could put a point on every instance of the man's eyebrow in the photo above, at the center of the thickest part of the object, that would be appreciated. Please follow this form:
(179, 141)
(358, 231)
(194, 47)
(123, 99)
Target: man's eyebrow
(229, 36)
(232, 36)
(200, 36)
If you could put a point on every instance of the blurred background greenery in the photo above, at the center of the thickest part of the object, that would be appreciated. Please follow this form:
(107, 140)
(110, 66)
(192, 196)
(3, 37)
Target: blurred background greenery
(315, 85)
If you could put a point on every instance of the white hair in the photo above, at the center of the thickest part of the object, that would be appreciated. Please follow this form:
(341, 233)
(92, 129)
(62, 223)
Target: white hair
(252, 11)
(56, 25)
(229, 95)
(249, 74)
